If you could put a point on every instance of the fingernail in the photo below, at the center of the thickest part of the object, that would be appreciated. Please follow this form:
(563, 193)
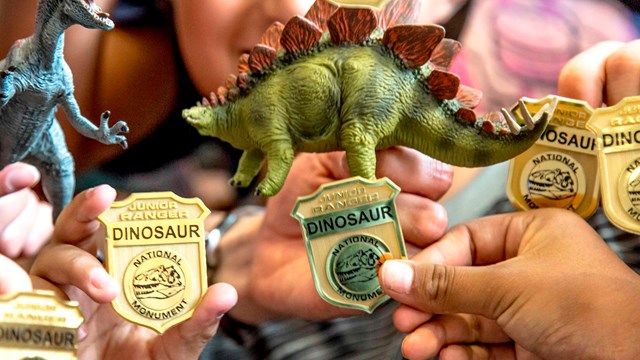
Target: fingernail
(397, 276)
(82, 332)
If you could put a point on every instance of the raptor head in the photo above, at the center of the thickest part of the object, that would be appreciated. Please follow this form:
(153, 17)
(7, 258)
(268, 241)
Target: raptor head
(87, 14)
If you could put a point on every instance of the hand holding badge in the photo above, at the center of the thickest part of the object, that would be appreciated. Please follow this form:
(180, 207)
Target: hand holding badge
(618, 144)
(155, 245)
(285, 100)
(561, 169)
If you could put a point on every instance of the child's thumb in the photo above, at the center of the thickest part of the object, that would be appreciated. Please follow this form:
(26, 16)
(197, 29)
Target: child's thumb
(440, 289)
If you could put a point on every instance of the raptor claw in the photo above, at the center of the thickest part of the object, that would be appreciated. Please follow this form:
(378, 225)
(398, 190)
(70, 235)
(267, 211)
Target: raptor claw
(124, 144)
(105, 115)
(12, 68)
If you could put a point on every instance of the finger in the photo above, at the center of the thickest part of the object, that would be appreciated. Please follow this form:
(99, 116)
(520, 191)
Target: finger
(406, 319)
(80, 269)
(29, 231)
(428, 339)
(441, 289)
(39, 235)
(423, 221)
(17, 176)
(584, 76)
(187, 339)
(12, 277)
(78, 221)
(478, 352)
(11, 205)
(434, 176)
(622, 69)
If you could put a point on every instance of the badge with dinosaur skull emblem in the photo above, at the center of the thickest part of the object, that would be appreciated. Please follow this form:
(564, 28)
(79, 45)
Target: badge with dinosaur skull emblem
(561, 169)
(155, 244)
(348, 227)
(618, 145)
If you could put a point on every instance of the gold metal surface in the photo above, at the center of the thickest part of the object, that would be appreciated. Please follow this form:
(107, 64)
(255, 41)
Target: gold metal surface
(561, 168)
(37, 325)
(618, 143)
(155, 244)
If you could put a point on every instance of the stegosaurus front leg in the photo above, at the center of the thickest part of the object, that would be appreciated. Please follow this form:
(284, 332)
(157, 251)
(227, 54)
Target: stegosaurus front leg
(250, 163)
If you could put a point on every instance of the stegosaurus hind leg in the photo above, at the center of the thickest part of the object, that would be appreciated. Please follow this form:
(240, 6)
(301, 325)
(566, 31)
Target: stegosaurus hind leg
(249, 166)
(280, 156)
(361, 152)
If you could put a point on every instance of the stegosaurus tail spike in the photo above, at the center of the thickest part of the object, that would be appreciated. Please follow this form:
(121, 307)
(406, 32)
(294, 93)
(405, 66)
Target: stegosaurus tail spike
(445, 53)
(468, 97)
(320, 12)
(396, 12)
(261, 57)
(352, 25)
(443, 84)
(272, 35)
(414, 44)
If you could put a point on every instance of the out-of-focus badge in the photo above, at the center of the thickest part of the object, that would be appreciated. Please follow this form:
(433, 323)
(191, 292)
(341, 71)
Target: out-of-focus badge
(618, 143)
(348, 226)
(561, 168)
(369, 3)
(155, 246)
(37, 325)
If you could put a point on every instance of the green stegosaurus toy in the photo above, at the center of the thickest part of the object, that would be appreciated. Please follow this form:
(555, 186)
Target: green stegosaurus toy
(350, 78)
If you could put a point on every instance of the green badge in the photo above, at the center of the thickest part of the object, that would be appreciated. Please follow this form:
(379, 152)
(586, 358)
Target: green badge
(348, 226)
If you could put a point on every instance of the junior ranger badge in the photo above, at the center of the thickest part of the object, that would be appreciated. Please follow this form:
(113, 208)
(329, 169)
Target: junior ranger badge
(348, 227)
(37, 325)
(155, 246)
(561, 169)
(618, 143)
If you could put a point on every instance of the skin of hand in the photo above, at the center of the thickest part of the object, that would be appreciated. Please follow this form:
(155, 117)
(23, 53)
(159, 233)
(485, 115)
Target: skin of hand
(603, 74)
(105, 334)
(543, 278)
(280, 282)
(587, 291)
(25, 221)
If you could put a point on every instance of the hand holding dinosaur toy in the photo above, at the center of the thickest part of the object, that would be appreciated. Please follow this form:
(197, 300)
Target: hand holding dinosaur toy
(34, 80)
(353, 79)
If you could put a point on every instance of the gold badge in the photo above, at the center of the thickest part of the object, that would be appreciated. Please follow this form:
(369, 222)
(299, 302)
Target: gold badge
(561, 168)
(37, 325)
(367, 3)
(618, 143)
(348, 226)
(155, 245)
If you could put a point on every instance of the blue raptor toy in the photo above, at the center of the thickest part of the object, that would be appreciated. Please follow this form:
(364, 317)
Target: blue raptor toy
(34, 80)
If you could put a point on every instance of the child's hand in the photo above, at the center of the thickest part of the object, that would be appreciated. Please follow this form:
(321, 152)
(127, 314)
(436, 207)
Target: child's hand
(25, 221)
(603, 74)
